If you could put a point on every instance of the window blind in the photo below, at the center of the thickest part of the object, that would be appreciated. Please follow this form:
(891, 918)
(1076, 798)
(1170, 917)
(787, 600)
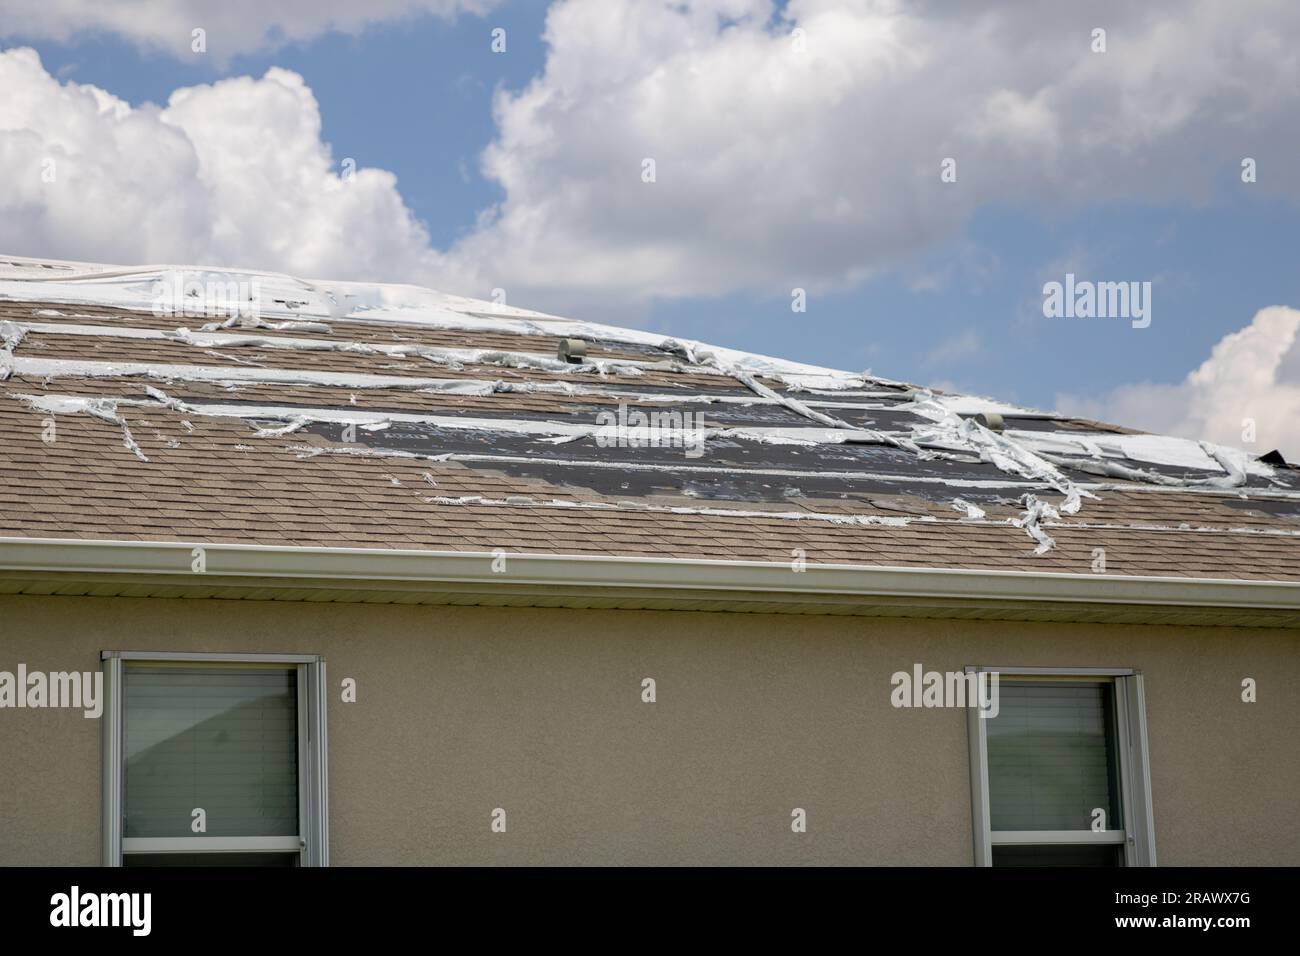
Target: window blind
(224, 739)
(1051, 756)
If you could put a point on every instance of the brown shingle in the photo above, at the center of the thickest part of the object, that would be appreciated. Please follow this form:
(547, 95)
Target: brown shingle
(219, 482)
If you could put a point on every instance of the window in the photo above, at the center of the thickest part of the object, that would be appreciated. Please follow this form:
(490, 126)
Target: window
(1059, 776)
(213, 760)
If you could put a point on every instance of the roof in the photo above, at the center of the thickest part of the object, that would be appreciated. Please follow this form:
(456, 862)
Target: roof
(348, 415)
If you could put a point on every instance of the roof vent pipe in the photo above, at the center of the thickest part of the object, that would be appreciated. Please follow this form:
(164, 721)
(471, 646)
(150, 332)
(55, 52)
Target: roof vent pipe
(990, 420)
(573, 350)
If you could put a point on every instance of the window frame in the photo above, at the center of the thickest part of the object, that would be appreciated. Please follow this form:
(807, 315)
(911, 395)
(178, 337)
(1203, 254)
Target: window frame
(1137, 837)
(312, 842)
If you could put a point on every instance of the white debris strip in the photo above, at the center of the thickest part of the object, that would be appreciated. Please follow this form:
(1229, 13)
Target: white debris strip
(561, 439)
(1183, 527)
(556, 432)
(238, 359)
(974, 405)
(796, 406)
(105, 409)
(1095, 454)
(713, 359)
(209, 338)
(491, 460)
(175, 404)
(1036, 512)
(11, 335)
(313, 451)
(710, 358)
(1236, 474)
(1112, 469)
(255, 322)
(972, 511)
(293, 425)
(950, 430)
(224, 375)
(890, 521)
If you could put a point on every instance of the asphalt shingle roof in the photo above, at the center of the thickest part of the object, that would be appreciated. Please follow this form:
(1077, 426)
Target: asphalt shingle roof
(449, 427)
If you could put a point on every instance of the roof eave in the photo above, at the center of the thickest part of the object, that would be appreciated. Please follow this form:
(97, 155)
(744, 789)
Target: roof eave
(150, 568)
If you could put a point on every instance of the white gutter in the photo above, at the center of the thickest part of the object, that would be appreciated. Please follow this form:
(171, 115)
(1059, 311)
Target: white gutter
(333, 567)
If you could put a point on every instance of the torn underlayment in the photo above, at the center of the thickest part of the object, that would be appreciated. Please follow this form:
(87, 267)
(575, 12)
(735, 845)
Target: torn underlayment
(484, 388)
(104, 409)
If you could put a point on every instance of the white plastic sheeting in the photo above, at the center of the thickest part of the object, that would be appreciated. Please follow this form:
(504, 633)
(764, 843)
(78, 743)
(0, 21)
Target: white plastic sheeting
(285, 304)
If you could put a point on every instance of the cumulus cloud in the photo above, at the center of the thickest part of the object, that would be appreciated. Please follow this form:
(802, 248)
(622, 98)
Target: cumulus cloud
(798, 147)
(813, 158)
(232, 173)
(1250, 381)
(231, 26)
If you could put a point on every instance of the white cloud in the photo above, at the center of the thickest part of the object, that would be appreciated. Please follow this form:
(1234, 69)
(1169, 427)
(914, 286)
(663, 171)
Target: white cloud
(233, 173)
(1251, 374)
(232, 26)
(778, 168)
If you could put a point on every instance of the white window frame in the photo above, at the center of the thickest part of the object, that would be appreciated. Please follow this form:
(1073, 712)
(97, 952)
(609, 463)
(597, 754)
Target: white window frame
(1137, 837)
(312, 841)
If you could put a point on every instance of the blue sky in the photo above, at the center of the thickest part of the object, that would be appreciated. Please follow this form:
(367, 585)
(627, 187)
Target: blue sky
(960, 308)
(447, 67)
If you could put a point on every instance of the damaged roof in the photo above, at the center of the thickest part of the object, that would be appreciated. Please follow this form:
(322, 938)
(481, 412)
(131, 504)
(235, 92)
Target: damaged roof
(135, 406)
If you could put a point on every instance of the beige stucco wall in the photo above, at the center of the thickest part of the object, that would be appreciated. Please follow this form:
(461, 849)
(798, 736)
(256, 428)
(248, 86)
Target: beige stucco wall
(538, 711)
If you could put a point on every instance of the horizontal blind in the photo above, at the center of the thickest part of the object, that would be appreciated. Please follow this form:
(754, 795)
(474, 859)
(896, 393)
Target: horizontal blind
(1051, 756)
(221, 739)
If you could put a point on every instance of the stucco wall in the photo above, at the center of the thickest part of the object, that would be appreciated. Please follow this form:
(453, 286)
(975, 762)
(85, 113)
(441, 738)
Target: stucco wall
(538, 711)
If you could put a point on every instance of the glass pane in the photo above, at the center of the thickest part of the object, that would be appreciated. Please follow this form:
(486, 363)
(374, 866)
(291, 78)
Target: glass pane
(223, 739)
(1052, 756)
(1084, 855)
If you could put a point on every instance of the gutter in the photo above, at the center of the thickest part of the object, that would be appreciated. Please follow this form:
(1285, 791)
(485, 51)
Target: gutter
(342, 568)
